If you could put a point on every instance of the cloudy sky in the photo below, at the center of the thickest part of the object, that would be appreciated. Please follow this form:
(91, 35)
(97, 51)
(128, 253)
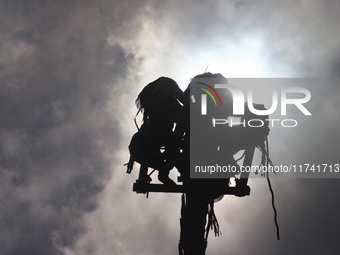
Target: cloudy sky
(69, 74)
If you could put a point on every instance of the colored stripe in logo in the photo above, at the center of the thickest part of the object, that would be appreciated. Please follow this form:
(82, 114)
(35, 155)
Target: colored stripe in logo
(208, 86)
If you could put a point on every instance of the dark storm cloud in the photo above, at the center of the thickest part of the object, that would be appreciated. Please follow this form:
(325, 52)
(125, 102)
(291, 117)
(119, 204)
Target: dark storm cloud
(56, 130)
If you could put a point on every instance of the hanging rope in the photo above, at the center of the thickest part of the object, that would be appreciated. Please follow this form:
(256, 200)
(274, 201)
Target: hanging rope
(212, 221)
(242, 156)
(136, 117)
(271, 191)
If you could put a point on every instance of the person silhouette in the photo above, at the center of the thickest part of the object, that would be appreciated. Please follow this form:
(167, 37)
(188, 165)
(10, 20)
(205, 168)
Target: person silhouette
(157, 143)
(206, 144)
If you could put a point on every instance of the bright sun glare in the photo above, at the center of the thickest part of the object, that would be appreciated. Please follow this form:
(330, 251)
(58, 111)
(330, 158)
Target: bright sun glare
(235, 61)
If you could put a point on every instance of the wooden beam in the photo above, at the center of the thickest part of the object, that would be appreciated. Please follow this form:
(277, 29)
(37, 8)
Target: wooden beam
(139, 187)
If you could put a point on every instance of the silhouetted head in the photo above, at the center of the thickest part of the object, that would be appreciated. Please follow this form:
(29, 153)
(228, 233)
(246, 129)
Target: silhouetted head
(159, 94)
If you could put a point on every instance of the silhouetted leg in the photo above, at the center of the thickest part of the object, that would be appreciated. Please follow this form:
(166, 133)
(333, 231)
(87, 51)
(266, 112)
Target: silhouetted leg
(143, 174)
(163, 176)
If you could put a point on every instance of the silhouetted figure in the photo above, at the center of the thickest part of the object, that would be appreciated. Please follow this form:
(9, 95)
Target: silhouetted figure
(157, 143)
(224, 141)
